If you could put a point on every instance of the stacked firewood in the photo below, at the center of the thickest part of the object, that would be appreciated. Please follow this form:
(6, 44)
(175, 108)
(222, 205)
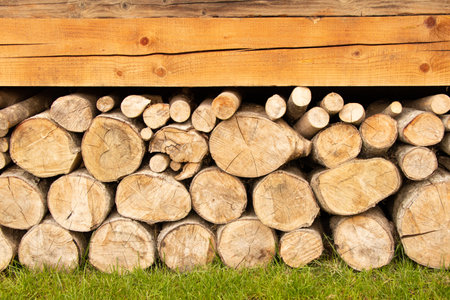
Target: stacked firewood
(134, 178)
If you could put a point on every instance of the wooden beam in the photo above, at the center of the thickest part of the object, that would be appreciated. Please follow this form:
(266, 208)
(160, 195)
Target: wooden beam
(216, 8)
(409, 50)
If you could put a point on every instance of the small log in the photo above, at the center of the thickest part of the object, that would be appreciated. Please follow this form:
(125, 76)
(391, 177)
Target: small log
(217, 197)
(180, 107)
(3, 133)
(392, 109)
(43, 148)
(416, 163)
(364, 241)
(146, 133)
(14, 114)
(336, 144)
(422, 220)
(48, 245)
(445, 144)
(444, 161)
(332, 103)
(446, 121)
(74, 112)
(112, 147)
(134, 105)
(108, 102)
(378, 133)
(24, 198)
(438, 104)
(152, 197)
(275, 107)
(186, 244)
(301, 246)
(352, 113)
(188, 171)
(121, 244)
(79, 202)
(312, 121)
(298, 102)
(159, 162)
(5, 159)
(355, 186)
(283, 200)
(10, 96)
(226, 104)
(419, 128)
(4, 144)
(203, 118)
(156, 115)
(175, 166)
(9, 243)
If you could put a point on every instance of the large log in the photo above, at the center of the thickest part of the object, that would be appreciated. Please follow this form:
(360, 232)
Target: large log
(421, 215)
(217, 197)
(416, 163)
(23, 199)
(203, 118)
(156, 115)
(48, 245)
(378, 133)
(9, 243)
(251, 145)
(419, 128)
(246, 243)
(121, 244)
(298, 102)
(152, 197)
(355, 186)
(438, 104)
(336, 144)
(364, 241)
(226, 104)
(186, 244)
(79, 202)
(112, 147)
(43, 148)
(283, 200)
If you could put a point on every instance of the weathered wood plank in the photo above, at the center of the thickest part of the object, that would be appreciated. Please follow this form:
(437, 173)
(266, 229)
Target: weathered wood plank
(409, 50)
(216, 8)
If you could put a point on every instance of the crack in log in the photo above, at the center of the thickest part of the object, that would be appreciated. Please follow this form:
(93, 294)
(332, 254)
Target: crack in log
(418, 234)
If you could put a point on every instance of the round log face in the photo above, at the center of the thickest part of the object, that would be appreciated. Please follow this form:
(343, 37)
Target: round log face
(122, 245)
(73, 112)
(6, 252)
(379, 132)
(424, 130)
(111, 149)
(246, 244)
(25, 205)
(284, 201)
(217, 196)
(419, 163)
(300, 247)
(187, 246)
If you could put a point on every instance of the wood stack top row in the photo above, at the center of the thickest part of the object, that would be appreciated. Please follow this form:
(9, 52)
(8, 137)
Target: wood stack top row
(124, 164)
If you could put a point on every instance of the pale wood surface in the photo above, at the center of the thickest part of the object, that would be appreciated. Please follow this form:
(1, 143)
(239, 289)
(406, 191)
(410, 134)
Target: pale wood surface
(226, 104)
(275, 107)
(312, 121)
(298, 102)
(188, 171)
(419, 128)
(416, 163)
(438, 104)
(378, 133)
(391, 109)
(180, 107)
(332, 103)
(445, 144)
(146, 133)
(108, 102)
(159, 162)
(134, 105)
(352, 113)
(156, 115)
(446, 121)
(203, 118)
(5, 159)
(9, 243)
(4, 144)
(180, 52)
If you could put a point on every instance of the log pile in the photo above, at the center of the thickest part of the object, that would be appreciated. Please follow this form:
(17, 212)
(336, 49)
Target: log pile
(183, 178)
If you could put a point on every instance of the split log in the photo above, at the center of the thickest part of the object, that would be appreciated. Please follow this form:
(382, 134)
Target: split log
(14, 114)
(250, 145)
(275, 107)
(392, 109)
(112, 147)
(298, 102)
(364, 241)
(301, 246)
(217, 197)
(134, 105)
(352, 113)
(180, 107)
(416, 163)
(332, 103)
(121, 244)
(355, 186)
(336, 144)
(10, 96)
(156, 115)
(186, 244)
(79, 202)
(419, 128)
(74, 112)
(203, 118)
(146, 133)
(175, 166)
(421, 215)
(283, 200)
(4, 144)
(48, 245)
(152, 197)
(438, 104)
(446, 121)
(43, 148)
(23, 199)
(226, 104)
(5, 159)
(378, 133)
(159, 162)
(108, 102)
(445, 144)
(9, 243)
(188, 171)
(312, 121)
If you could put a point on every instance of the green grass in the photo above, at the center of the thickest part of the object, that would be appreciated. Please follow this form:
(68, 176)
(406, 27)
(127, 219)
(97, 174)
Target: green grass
(328, 278)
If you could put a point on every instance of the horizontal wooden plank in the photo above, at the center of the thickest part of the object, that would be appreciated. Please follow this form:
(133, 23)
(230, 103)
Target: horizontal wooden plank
(409, 50)
(216, 8)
